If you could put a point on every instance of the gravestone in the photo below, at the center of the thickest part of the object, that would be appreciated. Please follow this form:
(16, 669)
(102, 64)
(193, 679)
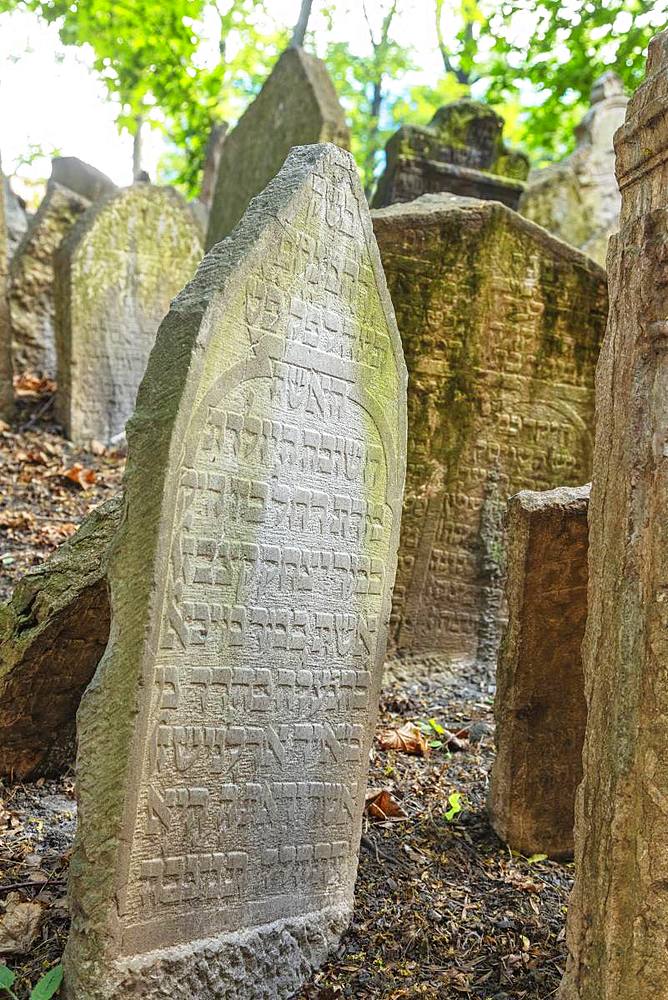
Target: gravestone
(617, 925)
(116, 274)
(461, 151)
(578, 199)
(214, 148)
(6, 368)
(16, 219)
(224, 741)
(540, 706)
(81, 177)
(501, 326)
(52, 635)
(296, 106)
(31, 293)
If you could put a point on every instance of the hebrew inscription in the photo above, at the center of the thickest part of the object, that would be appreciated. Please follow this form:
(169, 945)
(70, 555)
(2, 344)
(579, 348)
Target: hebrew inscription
(501, 326)
(262, 666)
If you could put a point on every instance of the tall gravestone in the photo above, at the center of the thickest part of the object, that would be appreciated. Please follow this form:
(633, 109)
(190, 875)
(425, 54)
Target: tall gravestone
(16, 218)
(81, 177)
(501, 326)
(461, 151)
(617, 928)
(296, 106)
(578, 199)
(6, 368)
(540, 707)
(223, 743)
(116, 274)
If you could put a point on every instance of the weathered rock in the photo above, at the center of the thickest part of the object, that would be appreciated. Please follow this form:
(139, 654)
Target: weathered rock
(617, 928)
(31, 294)
(296, 106)
(116, 274)
(16, 219)
(578, 199)
(52, 635)
(214, 148)
(461, 151)
(501, 326)
(223, 743)
(540, 706)
(6, 368)
(81, 177)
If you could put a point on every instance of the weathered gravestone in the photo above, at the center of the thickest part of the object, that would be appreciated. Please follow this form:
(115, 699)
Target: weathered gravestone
(81, 177)
(501, 325)
(6, 368)
(578, 199)
(617, 928)
(31, 295)
(52, 635)
(16, 218)
(540, 706)
(116, 274)
(223, 743)
(461, 151)
(296, 106)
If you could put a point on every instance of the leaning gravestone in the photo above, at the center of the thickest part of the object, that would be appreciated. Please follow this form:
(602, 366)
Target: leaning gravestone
(31, 296)
(81, 177)
(501, 326)
(461, 151)
(296, 106)
(16, 219)
(578, 199)
(224, 741)
(116, 274)
(617, 926)
(6, 368)
(540, 706)
(52, 636)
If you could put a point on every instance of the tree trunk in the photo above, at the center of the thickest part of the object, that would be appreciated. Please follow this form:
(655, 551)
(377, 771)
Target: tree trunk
(137, 147)
(374, 128)
(302, 24)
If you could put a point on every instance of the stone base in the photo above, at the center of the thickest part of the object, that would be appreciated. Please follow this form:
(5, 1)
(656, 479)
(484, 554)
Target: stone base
(270, 962)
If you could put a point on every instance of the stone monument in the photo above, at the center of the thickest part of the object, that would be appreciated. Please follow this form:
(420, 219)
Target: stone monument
(296, 106)
(461, 151)
(6, 368)
(224, 741)
(16, 218)
(578, 199)
(31, 295)
(116, 274)
(501, 326)
(540, 706)
(52, 635)
(617, 927)
(81, 177)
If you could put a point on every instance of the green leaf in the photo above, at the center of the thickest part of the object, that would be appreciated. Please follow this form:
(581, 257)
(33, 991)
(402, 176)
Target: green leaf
(7, 977)
(48, 985)
(455, 803)
(535, 858)
(437, 727)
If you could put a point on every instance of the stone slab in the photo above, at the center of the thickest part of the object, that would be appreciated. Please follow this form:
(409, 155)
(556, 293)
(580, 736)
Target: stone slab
(617, 925)
(540, 707)
(116, 274)
(81, 177)
(52, 636)
(224, 741)
(31, 294)
(296, 106)
(501, 326)
(578, 199)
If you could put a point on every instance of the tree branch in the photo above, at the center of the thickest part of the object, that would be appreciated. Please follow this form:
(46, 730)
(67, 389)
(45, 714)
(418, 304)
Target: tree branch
(302, 24)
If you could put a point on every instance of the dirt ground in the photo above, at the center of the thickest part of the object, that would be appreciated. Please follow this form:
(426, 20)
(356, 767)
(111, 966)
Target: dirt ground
(442, 908)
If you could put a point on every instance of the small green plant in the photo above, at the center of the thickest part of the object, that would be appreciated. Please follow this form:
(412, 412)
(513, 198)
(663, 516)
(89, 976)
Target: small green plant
(429, 728)
(455, 806)
(47, 987)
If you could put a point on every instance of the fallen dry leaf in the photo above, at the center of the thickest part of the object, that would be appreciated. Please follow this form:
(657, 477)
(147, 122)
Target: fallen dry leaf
(29, 384)
(81, 476)
(409, 739)
(19, 925)
(383, 805)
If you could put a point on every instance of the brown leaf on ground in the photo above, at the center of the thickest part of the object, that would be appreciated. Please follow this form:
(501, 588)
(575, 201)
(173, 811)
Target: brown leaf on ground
(408, 739)
(81, 476)
(19, 925)
(383, 805)
(29, 384)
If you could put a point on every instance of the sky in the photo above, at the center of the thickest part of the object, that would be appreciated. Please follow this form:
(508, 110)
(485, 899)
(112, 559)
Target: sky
(51, 100)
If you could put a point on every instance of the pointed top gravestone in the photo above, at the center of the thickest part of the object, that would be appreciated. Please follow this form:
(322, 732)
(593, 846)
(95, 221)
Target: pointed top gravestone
(81, 177)
(224, 741)
(296, 106)
(6, 386)
(116, 273)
